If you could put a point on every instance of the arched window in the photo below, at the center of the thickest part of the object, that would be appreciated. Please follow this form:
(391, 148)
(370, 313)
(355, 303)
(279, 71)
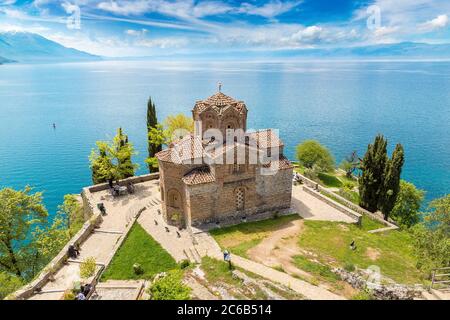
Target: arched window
(240, 198)
(174, 199)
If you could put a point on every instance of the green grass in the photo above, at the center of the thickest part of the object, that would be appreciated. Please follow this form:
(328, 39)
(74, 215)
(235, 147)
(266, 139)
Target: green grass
(370, 224)
(350, 195)
(329, 180)
(218, 271)
(317, 269)
(139, 247)
(391, 251)
(242, 237)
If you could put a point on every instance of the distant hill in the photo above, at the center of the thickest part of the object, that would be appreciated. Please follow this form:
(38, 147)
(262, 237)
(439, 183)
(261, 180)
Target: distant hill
(397, 51)
(33, 48)
(4, 60)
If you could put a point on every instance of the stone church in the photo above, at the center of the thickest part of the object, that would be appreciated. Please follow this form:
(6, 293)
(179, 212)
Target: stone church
(222, 171)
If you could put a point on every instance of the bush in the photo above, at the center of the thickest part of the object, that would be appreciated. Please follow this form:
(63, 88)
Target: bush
(363, 295)
(311, 174)
(137, 269)
(8, 284)
(350, 267)
(87, 268)
(170, 287)
(69, 295)
(184, 264)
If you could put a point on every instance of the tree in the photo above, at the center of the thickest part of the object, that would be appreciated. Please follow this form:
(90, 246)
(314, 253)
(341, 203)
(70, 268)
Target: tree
(154, 144)
(156, 137)
(438, 217)
(350, 164)
(101, 163)
(47, 242)
(391, 181)
(373, 168)
(178, 126)
(112, 161)
(121, 152)
(431, 239)
(72, 212)
(312, 155)
(407, 206)
(20, 213)
(8, 284)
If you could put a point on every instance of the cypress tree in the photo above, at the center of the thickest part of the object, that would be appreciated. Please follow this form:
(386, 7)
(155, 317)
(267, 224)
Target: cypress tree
(123, 152)
(391, 183)
(152, 122)
(373, 169)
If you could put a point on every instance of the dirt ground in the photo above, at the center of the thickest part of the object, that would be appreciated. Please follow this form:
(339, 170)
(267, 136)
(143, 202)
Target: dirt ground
(278, 249)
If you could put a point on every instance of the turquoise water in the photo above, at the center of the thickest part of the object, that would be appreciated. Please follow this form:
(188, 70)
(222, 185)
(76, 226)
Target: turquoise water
(343, 105)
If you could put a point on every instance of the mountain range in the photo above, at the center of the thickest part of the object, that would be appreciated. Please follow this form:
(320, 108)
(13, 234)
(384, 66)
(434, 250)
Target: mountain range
(28, 47)
(25, 47)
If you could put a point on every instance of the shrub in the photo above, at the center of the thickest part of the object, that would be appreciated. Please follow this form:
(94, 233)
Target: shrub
(87, 268)
(137, 268)
(311, 174)
(363, 295)
(69, 295)
(170, 287)
(350, 267)
(184, 264)
(8, 283)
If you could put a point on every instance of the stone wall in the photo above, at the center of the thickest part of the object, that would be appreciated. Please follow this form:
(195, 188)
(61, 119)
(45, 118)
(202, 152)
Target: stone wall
(216, 201)
(58, 261)
(312, 184)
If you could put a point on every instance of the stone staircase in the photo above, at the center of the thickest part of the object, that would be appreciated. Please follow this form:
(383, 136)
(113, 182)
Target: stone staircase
(434, 294)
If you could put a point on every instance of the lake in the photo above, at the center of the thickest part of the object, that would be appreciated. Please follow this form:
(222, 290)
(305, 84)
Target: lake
(341, 104)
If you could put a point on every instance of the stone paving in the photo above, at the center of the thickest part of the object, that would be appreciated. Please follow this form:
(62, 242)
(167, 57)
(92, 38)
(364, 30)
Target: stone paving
(177, 245)
(118, 290)
(102, 242)
(311, 208)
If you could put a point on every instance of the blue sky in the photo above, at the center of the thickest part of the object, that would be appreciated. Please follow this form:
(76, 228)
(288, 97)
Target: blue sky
(155, 27)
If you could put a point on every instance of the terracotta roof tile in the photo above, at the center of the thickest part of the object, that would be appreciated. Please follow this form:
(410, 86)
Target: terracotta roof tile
(283, 163)
(266, 138)
(199, 176)
(188, 148)
(219, 102)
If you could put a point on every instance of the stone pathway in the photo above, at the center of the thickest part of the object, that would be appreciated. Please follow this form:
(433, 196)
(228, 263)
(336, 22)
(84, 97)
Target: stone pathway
(206, 245)
(306, 289)
(311, 208)
(179, 246)
(118, 290)
(102, 243)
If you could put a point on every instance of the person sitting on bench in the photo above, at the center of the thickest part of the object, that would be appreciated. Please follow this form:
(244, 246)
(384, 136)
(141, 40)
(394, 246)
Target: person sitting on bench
(130, 188)
(73, 252)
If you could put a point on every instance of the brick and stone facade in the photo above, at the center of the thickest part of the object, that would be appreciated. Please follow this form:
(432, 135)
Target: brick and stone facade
(218, 173)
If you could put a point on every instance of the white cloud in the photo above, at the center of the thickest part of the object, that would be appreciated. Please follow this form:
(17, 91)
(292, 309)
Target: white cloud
(163, 43)
(7, 2)
(384, 31)
(124, 7)
(270, 9)
(190, 9)
(439, 22)
(136, 33)
(308, 35)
